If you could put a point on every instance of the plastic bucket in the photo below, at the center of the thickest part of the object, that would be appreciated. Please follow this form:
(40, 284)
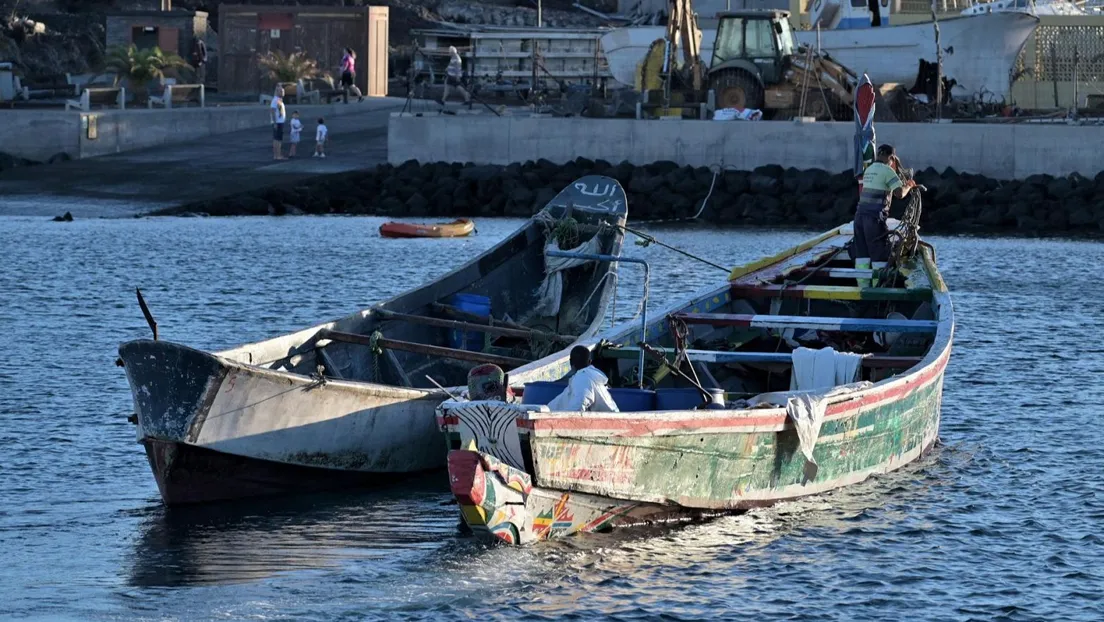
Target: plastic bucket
(633, 400)
(678, 399)
(475, 305)
(542, 392)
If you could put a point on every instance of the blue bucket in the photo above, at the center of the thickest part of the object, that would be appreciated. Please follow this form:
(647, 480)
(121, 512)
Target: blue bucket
(476, 305)
(633, 400)
(678, 399)
(541, 392)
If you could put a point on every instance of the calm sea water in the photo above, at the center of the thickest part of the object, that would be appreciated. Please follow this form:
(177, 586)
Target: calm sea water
(1002, 522)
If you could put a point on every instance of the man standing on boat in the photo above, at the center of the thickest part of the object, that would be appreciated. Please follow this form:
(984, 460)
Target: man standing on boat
(880, 184)
(586, 387)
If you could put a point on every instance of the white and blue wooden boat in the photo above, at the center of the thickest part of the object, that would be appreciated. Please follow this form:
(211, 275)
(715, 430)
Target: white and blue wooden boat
(350, 401)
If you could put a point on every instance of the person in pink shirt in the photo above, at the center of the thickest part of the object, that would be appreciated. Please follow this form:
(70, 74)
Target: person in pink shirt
(348, 75)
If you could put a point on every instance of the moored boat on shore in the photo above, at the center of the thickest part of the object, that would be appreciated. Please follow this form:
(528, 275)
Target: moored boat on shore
(824, 384)
(352, 401)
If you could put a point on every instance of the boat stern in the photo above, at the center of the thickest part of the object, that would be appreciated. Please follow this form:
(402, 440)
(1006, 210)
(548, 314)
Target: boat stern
(492, 496)
(172, 386)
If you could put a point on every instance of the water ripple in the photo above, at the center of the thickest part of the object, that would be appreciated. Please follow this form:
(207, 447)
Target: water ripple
(1000, 522)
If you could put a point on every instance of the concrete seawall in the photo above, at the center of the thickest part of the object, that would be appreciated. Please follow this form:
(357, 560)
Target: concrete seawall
(42, 134)
(1005, 151)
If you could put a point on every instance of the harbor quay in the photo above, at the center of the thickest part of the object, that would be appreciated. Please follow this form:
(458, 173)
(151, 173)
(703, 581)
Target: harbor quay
(1015, 178)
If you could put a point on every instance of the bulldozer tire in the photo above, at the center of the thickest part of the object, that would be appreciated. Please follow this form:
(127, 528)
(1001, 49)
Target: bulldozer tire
(737, 89)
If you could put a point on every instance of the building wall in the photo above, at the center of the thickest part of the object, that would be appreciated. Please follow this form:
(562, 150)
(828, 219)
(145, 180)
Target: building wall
(997, 151)
(322, 33)
(120, 26)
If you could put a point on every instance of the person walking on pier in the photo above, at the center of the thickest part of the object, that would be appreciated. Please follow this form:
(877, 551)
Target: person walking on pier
(880, 184)
(453, 74)
(279, 117)
(199, 59)
(348, 75)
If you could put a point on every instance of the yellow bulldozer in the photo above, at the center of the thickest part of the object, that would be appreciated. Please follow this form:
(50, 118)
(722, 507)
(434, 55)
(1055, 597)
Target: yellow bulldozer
(755, 63)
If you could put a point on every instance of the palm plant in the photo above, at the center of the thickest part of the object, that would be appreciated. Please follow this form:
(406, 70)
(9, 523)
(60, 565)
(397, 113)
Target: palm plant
(140, 67)
(287, 68)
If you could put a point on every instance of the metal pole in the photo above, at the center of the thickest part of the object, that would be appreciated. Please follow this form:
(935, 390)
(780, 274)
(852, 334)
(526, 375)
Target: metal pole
(540, 19)
(1076, 60)
(644, 306)
(939, 66)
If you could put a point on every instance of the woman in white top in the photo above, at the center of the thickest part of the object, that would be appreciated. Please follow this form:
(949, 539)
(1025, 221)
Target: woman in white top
(453, 73)
(279, 116)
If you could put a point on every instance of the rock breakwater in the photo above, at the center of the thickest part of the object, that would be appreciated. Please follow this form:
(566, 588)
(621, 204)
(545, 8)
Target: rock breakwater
(767, 196)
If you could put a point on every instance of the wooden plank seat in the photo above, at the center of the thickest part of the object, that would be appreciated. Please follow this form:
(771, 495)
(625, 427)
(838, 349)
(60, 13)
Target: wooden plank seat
(832, 292)
(881, 361)
(502, 331)
(79, 81)
(834, 273)
(176, 95)
(506, 362)
(106, 96)
(838, 324)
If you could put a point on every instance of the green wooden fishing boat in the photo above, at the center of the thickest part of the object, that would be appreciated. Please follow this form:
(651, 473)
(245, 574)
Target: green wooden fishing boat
(732, 411)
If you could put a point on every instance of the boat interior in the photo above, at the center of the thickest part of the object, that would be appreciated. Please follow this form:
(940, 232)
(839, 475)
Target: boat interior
(736, 342)
(488, 311)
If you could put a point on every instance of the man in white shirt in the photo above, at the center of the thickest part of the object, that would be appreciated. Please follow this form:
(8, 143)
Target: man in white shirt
(279, 116)
(586, 389)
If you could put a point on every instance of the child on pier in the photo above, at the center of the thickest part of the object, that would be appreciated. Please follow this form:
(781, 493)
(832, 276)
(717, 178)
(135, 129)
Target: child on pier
(296, 129)
(320, 139)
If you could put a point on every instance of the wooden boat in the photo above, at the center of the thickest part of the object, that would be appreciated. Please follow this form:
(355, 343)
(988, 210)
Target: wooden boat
(522, 474)
(980, 50)
(456, 229)
(350, 402)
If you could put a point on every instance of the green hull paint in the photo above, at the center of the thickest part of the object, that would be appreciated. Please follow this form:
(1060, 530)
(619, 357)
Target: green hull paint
(711, 470)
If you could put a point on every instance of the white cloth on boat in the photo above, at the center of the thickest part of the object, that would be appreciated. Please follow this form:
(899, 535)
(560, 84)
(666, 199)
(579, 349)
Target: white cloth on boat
(737, 114)
(806, 409)
(550, 292)
(823, 369)
(586, 391)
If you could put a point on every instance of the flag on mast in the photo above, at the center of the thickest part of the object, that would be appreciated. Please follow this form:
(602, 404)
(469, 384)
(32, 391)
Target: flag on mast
(864, 127)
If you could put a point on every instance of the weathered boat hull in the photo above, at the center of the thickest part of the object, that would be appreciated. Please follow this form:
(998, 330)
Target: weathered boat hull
(261, 419)
(980, 50)
(522, 474)
(688, 470)
(189, 474)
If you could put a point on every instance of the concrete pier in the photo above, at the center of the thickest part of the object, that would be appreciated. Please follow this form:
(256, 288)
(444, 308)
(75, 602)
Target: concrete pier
(143, 180)
(998, 151)
(42, 134)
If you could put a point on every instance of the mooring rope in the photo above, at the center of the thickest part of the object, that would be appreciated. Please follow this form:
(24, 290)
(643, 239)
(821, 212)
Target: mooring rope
(650, 239)
(716, 168)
